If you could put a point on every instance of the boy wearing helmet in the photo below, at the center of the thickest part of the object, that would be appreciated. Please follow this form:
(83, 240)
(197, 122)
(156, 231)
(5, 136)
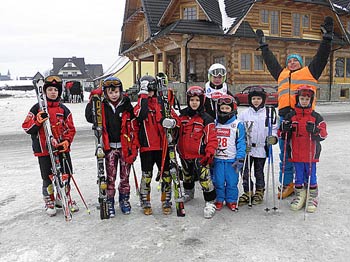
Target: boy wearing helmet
(196, 145)
(149, 115)
(117, 116)
(305, 128)
(63, 130)
(215, 87)
(289, 79)
(256, 151)
(229, 156)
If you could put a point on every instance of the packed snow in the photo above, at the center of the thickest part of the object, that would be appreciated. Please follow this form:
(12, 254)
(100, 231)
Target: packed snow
(28, 234)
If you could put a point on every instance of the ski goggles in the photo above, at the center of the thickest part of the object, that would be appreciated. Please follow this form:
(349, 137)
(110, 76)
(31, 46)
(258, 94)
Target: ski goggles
(306, 92)
(53, 80)
(227, 100)
(195, 92)
(115, 83)
(218, 72)
(256, 89)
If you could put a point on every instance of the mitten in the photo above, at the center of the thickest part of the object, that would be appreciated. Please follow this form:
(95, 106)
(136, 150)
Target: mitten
(207, 160)
(238, 165)
(327, 28)
(286, 126)
(311, 128)
(143, 88)
(63, 146)
(41, 117)
(271, 140)
(261, 38)
(169, 123)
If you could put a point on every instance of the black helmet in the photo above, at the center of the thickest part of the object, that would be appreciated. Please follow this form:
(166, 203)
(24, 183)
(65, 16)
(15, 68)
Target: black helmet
(150, 81)
(257, 91)
(55, 81)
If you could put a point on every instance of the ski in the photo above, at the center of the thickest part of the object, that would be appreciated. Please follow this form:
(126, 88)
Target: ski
(58, 178)
(169, 147)
(101, 177)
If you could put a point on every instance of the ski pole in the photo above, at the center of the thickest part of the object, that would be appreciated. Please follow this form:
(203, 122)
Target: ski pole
(283, 166)
(135, 179)
(248, 127)
(242, 174)
(309, 176)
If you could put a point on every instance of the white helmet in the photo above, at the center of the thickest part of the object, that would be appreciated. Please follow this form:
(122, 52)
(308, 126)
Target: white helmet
(217, 70)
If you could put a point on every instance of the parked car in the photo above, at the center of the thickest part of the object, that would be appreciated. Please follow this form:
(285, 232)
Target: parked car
(271, 95)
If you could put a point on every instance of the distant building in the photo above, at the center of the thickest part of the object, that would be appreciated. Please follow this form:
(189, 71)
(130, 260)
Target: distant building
(75, 69)
(5, 77)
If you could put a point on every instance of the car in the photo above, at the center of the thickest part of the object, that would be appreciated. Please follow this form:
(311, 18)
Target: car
(271, 95)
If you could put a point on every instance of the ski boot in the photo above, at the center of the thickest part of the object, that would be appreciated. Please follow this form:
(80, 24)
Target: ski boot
(258, 197)
(299, 200)
(219, 205)
(146, 204)
(166, 203)
(124, 203)
(188, 195)
(244, 198)
(110, 205)
(286, 191)
(50, 205)
(209, 210)
(232, 206)
(72, 204)
(312, 201)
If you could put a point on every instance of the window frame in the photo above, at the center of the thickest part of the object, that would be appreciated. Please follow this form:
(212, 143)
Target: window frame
(182, 11)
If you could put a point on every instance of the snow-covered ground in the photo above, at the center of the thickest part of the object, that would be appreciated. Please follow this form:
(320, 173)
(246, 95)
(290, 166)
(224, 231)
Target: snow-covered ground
(27, 234)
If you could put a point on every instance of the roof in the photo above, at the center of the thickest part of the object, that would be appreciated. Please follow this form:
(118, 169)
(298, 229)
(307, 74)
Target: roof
(154, 10)
(58, 63)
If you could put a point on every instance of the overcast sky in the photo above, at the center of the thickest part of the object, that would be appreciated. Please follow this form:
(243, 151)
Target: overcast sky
(33, 32)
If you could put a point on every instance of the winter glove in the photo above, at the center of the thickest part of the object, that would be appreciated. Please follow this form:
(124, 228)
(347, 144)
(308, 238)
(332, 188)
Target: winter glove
(261, 39)
(63, 146)
(238, 165)
(207, 160)
(169, 123)
(271, 140)
(41, 117)
(143, 88)
(286, 126)
(327, 28)
(311, 128)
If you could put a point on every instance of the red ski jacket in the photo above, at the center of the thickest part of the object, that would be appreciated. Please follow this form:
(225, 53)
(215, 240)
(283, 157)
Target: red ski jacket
(197, 136)
(62, 126)
(300, 138)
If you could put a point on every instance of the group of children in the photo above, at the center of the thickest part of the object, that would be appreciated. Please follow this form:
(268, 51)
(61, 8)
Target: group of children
(214, 142)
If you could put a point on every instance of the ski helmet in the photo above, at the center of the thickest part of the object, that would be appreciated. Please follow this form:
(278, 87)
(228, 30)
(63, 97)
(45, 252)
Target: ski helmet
(305, 90)
(112, 82)
(230, 101)
(216, 70)
(196, 91)
(257, 91)
(55, 81)
(150, 82)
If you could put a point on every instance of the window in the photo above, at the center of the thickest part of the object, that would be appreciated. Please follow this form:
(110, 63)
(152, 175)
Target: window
(339, 67)
(65, 74)
(307, 60)
(258, 63)
(253, 62)
(348, 67)
(220, 60)
(189, 13)
(74, 74)
(273, 19)
(300, 21)
(246, 62)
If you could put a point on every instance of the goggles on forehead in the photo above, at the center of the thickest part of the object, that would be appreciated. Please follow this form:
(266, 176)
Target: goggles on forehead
(115, 83)
(195, 92)
(226, 101)
(308, 93)
(257, 89)
(218, 72)
(53, 79)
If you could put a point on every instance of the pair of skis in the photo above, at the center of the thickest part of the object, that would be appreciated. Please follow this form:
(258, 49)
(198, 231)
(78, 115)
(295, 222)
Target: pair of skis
(58, 178)
(169, 148)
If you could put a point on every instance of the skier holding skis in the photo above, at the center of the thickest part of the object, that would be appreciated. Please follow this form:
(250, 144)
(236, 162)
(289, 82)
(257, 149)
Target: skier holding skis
(256, 115)
(305, 128)
(289, 79)
(150, 117)
(196, 145)
(229, 156)
(215, 87)
(117, 116)
(63, 130)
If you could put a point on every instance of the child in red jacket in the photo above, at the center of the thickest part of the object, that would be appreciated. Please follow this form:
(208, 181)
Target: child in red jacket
(197, 144)
(305, 128)
(63, 130)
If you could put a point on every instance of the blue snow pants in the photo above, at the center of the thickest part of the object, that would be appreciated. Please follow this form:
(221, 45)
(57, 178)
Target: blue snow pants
(226, 181)
(302, 174)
